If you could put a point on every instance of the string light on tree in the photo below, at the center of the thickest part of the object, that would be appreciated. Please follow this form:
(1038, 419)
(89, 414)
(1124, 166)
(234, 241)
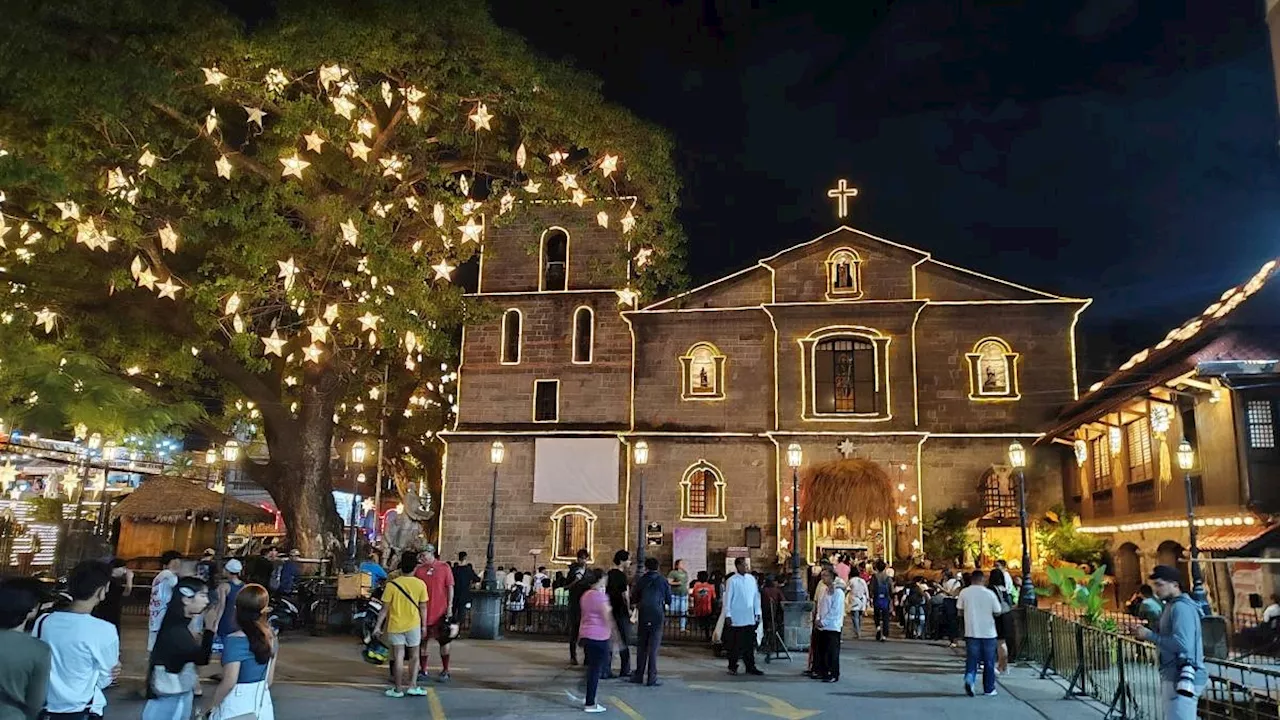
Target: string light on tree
(532, 187)
(627, 296)
(481, 117)
(46, 318)
(319, 331)
(168, 289)
(288, 271)
(368, 321)
(69, 209)
(232, 305)
(471, 231)
(314, 141)
(350, 234)
(443, 270)
(169, 238)
(558, 157)
(313, 353)
(521, 156)
(211, 121)
(273, 344)
(608, 164)
(213, 76)
(293, 166)
(342, 106)
(223, 166)
(255, 115)
(359, 150)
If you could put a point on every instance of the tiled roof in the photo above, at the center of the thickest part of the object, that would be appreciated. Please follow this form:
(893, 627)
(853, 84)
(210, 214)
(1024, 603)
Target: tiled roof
(1233, 537)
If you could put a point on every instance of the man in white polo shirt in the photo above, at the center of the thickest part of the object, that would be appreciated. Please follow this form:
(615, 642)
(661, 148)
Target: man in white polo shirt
(980, 607)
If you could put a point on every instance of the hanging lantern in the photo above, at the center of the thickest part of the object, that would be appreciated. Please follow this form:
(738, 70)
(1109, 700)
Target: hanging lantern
(1082, 452)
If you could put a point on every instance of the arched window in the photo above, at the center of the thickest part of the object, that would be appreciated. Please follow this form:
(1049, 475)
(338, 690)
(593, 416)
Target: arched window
(511, 322)
(993, 372)
(573, 528)
(584, 330)
(702, 493)
(554, 273)
(702, 370)
(844, 378)
(844, 274)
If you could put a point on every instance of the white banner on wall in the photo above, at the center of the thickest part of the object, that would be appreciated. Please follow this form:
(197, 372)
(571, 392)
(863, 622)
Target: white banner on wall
(690, 545)
(575, 471)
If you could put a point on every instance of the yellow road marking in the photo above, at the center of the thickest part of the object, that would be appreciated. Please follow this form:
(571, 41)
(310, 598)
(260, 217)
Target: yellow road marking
(625, 708)
(433, 701)
(775, 706)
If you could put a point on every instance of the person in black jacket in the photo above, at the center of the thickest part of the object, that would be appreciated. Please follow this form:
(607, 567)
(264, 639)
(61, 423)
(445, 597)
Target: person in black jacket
(620, 603)
(171, 671)
(576, 590)
(651, 596)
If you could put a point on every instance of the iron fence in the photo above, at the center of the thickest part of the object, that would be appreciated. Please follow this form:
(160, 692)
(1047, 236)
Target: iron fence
(1123, 672)
(553, 621)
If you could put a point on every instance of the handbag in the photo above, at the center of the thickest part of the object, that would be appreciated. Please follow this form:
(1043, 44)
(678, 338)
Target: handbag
(217, 713)
(164, 682)
(1005, 607)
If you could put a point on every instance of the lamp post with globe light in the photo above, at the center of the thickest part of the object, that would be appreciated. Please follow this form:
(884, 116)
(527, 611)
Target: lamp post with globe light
(359, 451)
(230, 454)
(1018, 459)
(797, 592)
(1186, 460)
(641, 455)
(487, 622)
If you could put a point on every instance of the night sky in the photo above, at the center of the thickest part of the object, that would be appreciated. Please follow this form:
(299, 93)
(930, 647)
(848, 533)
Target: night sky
(1100, 152)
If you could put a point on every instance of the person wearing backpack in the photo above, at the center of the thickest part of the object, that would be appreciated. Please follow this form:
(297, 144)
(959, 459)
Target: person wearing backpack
(882, 600)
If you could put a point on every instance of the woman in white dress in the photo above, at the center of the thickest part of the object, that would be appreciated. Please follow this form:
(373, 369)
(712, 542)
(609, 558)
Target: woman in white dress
(248, 662)
(859, 597)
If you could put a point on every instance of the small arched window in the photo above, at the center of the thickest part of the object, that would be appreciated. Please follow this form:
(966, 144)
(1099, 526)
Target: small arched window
(511, 333)
(573, 528)
(993, 371)
(584, 330)
(702, 493)
(703, 373)
(554, 274)
(844, 277)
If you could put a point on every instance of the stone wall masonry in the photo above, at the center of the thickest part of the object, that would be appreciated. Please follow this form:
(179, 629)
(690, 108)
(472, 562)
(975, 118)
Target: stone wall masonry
(800, 275)
(512, 248)
(951, 469)
(753, 287)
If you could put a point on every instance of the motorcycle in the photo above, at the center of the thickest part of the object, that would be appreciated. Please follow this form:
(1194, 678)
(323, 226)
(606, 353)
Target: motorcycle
(297, 610)
(364, 614)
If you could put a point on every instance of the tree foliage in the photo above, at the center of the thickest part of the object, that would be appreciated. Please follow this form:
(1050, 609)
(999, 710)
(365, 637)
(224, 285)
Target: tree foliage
(256, 226)
(946, 536)
(1063, 541)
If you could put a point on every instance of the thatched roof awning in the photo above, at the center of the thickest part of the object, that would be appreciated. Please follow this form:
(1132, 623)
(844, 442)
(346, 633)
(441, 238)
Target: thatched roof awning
(170, 499)
(857, 488)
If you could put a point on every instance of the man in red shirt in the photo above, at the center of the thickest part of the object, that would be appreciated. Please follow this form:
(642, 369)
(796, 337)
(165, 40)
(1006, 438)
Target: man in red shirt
(703, 596)
(438, 577)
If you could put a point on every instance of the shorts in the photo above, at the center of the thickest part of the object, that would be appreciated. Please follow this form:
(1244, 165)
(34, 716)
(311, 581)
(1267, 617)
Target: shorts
(437, 631)
(408, 638)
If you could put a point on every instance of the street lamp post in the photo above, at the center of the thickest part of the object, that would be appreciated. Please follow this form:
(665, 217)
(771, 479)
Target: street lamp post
(93, 443)
(1018, 459)
(797, 590)
(230, 453)
(108, 454)
(358, 453)
(487, 622)
(1186, 459)
(641, 454)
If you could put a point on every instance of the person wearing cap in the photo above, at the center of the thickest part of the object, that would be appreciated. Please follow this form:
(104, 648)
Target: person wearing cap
(206, 565)
(1177, 636)
(221, 613)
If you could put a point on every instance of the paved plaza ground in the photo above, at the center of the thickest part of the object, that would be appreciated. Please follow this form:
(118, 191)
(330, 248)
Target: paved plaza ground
(323, 677)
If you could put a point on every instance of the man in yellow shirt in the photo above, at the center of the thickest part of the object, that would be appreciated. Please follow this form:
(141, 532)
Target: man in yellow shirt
(404, 604)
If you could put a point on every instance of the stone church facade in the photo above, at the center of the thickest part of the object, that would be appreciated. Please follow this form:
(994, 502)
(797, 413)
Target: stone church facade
(849, 345)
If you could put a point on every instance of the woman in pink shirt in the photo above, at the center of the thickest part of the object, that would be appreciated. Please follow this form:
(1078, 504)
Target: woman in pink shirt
(594, 632)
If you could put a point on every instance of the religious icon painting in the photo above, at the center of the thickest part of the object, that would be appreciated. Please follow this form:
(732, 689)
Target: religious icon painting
(703, 373)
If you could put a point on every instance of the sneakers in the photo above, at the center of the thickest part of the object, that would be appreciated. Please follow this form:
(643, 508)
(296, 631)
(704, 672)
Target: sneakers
(443, 677)
(990, 694)
(597, 708)
(831, 680)
(393, 693)
(423, 677)
(416, 691)
(968, 689)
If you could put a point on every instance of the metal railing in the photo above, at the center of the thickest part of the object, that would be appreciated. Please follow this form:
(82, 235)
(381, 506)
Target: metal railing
(1123, 672)
(553, 621)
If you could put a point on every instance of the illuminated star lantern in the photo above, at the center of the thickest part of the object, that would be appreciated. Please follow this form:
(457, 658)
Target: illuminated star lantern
(464, 185)
(293, 166)
(274, 344)
(602, 219)
(147, 279)
(369, 321)
(214, 76)
(609, 164)
(532, 187)
(314, 141)
(47, 318)
(411, 202)
(628, 222)
(331, 313)
(168, 288)
(506, 203)
(313, 353)
(350, 234)
(223, 166)
(558, 157)
(579, 197)
(276, 80)
(392, 167)
(387, 96)
(521, 156)
(319, 331)
(237, 323)
(116, 181)
(330, 74)
(136, 266)
(443, 270)
(360, 150)
(437, 214)
(471, 231)
(255, 115)
(343, 107)
(642, 257)
(627, 296)
(568, 181)
(147, 159)
(211, 121)
(169, 238)
(70, 210)
(469, 207)
(288, 271)
(481, 117)
(415, 112)
(87, 234)
(233, 304)
(365, 127)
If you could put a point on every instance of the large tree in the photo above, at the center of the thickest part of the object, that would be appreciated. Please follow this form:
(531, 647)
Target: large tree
(264, 216)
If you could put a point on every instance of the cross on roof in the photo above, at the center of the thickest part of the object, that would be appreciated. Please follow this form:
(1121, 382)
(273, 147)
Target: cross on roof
(842, 192)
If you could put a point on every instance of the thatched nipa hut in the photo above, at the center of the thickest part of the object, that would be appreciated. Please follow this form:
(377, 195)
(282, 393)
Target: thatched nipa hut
(847, 503)
(167, 513)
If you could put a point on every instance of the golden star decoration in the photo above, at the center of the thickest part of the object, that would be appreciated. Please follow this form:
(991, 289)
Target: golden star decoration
(443, 270)
(360, 150)
(147, 158)
(642, 257)
(47, 318)
(343, 107)
(223, 166)
(146, 278)
(214, 76)
(392, 167)
(330, 74)
(232, 305)
(558, 157)
(169, 238)
(331, 313)
(350, 234)
(369, 321)
(506, 203)
(415, 112)
(568, 181)
(273, 344)
(319, 331)
(627, 296)
(481, 117)
(602, 219)
(532, 187)
(211, 121)
(437, 214)
(168, 288)
(288, 271)
(464, 185)
(579, 197)
(471, 231)
(365, 127)
(628, 222)
(276, 80)
(255, 115)
(70, 210)
(313, 353)
(314, 141)
(293, 166)
(237, 323)
(608, 164)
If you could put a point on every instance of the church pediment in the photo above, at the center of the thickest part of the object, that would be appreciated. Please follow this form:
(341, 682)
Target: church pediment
(844, 265)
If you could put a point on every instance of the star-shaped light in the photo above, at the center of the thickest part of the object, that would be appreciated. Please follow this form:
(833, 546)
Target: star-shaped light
(330, 74)
(443, 270)
(415, 112)
(387, 96)
(224, 167)
(392, 167)
(579, 197)
(116, 180)
(168, 288)
(350, 234)
(413, 94)
(146, 278)
(147, 158)
(568, 181)
(628, 222)
(846, 448)
(319, 331)
(255, 115)
(214, 76)
(558, 157)
(313, 353)
(47, 318)
(211, 121)
(70, 210)
(330, 313)
(343, 107)
(276, 80)
(627, 296)
(288, 270)
(365, 127)
(232, 305)
(532, 187)
(469, 207)
(437, 214)
(87, 233)
(521, 156)
(464, 185)
(314, 141)
(471, 231)
(506, 203)
(134, 268)
(602, 219)
(608, 164)
(274, 344)
(642, 256)
(293, 166)
(169, 238)
(360, 150)
(368, 321)
(411, 202)
(481, 117)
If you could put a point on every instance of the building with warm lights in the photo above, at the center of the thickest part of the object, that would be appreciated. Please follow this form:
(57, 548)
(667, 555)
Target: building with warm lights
(1214, 382)
(850, 345)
